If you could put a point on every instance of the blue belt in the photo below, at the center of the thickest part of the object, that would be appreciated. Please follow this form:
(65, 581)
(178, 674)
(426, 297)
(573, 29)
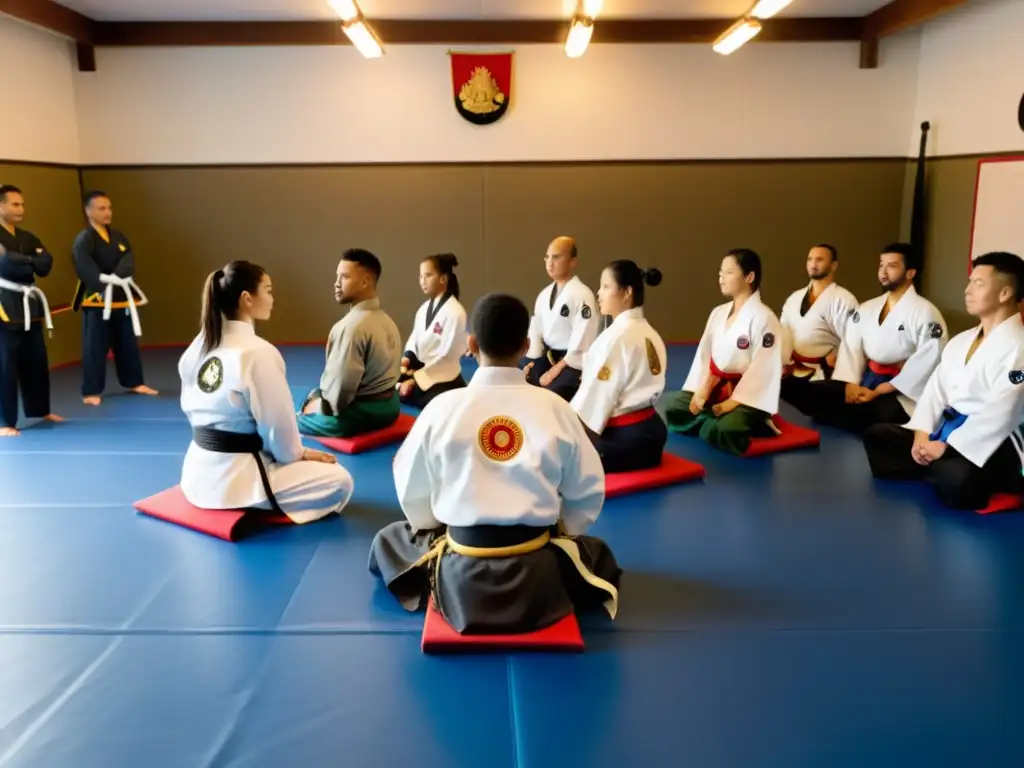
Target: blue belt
(951, 421)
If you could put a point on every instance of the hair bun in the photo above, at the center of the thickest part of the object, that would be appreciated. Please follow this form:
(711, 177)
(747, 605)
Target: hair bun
(652, 276)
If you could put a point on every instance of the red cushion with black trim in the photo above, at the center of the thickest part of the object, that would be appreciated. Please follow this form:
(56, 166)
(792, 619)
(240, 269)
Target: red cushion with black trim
(1003, 502)
(439, 637)
(673, 470)
(228, 524)
(393, 433)
(792, 438)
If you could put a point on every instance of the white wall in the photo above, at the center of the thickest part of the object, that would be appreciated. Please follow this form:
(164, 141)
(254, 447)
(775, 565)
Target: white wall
(39, 122)
(327, 104)
(971, 78)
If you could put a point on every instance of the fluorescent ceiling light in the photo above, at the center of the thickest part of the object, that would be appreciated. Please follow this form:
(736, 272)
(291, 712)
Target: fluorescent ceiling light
(579, 37)
(737, 35)
(363, 39)
(347, 10)
(765, 9)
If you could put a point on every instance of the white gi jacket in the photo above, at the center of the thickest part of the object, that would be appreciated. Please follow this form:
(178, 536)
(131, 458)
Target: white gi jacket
(816, 334)
(566, 319)
(439, 340)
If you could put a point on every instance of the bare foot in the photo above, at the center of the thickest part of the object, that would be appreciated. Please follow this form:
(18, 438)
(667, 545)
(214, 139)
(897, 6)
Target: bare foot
(144, 390)
(92, 400)
(9, 432)
(53, 417)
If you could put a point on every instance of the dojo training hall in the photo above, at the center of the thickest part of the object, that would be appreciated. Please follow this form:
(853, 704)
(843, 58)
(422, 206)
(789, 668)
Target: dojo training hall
(780, 610)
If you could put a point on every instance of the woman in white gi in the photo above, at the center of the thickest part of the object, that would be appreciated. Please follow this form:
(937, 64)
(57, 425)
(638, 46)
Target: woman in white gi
(499, 483)
(432, 362)
(964, 437)
(732, 390)
(624, 375)
(246, 452)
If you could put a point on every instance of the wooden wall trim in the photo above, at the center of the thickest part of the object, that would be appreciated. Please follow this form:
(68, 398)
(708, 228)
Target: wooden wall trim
(462, 32)
(51, 16)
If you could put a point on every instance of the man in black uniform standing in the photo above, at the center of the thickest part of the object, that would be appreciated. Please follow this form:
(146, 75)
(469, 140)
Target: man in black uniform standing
(101, 253)
(23, 310)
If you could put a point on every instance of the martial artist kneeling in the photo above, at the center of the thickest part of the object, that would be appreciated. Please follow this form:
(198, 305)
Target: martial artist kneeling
(732, 390)
(624, 375)
(246, 452)
(498, 481)
(961, 435)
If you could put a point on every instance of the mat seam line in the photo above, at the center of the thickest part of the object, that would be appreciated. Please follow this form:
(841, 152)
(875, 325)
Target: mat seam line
(513, 714)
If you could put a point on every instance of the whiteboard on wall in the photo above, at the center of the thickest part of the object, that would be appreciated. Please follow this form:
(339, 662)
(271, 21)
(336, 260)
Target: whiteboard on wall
(999, 207)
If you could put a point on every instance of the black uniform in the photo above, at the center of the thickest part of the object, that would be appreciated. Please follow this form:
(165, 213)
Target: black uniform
(23, 358)
(95, 256)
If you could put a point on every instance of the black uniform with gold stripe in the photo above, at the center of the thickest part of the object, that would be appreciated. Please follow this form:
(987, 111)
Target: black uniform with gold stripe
(23, 358)
(95, 254)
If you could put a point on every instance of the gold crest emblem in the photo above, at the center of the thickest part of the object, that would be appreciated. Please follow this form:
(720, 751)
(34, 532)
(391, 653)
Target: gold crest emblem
(604, 374)
(653, 361)
(211, 375)
(482, 84)
(501, 438)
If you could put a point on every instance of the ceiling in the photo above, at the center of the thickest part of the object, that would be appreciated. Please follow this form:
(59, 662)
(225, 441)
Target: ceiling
(290, 10)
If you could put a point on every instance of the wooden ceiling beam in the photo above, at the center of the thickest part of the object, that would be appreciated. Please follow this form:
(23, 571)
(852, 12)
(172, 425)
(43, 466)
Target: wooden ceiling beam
(52, 16)
(462, 32)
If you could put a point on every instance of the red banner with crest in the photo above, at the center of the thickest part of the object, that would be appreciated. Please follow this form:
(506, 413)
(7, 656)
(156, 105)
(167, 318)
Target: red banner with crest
(482, 85)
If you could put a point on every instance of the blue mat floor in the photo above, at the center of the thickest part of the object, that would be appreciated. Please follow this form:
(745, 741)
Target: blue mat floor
(787, 611)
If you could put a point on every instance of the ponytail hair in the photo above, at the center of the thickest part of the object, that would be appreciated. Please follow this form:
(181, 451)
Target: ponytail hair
(628, 274)
(445, 264)
(221, 294)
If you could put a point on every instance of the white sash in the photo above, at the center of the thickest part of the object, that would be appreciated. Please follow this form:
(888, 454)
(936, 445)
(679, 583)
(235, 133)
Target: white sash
(27, 291)
(125, 283)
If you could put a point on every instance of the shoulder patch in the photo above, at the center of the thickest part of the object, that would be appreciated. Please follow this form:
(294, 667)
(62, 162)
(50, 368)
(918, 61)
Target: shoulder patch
(742, 343)
(935, 330)
(1017, 377)
(501, 438)
(902, 327)
(585, 311)
(211, 375)
(564, 311)
(604, 374)
(653, 361)
(768, 341)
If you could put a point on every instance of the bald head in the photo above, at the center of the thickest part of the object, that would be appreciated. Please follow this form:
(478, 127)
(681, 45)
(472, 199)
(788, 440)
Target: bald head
(560, 259)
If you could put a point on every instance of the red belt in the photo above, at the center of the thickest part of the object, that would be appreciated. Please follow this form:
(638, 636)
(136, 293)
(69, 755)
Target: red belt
(885, 369)
(805, 360)
(803, 364)
(722, 391)
(633, 417)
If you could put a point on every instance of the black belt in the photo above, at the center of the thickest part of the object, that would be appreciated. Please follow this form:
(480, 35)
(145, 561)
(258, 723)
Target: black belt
(493, 536)
(221, 441)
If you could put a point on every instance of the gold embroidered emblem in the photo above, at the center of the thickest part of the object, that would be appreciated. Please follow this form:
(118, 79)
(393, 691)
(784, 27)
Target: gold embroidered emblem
(211, 375)
(501, 438)
(653, 361)
(481, 95)
(604, 374)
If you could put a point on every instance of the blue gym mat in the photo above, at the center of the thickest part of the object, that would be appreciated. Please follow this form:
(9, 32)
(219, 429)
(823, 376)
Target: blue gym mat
(788, 611)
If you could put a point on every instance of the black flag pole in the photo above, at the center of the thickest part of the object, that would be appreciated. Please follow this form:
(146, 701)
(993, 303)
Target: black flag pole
(917, 215)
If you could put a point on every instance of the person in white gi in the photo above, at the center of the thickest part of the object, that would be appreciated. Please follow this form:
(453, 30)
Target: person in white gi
(813, 324)
(564, 323)
(964, 437)
(624, 375)
(246, 452)
(732, 389)
(892, 344)
(499, 483)
(432, 362)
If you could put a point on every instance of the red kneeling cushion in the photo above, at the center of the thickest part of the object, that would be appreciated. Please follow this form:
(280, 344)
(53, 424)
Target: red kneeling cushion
(673, 470)
(367, 441)
(439, 637)
(228, 524)
(1003, 502)
(792, 438)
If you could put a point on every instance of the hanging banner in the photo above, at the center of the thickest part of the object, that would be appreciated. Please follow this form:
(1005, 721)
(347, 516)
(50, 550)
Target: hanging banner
(482, 84)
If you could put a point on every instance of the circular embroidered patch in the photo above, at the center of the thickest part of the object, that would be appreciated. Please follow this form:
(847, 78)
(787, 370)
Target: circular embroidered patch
(855, 316)
(742, 343)
(501, 438)
(564, 311)
(585, 312)
(935, 331)
(211, 375)
(768, 341)
(1017, 377)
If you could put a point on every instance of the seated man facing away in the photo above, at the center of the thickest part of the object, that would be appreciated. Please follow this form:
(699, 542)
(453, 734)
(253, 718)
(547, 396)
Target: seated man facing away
(732, 390)
(364, 357)
(498, 481)
(814, 322)
(961, 436)
(624, 375)
(246, 452)
(892, 344)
